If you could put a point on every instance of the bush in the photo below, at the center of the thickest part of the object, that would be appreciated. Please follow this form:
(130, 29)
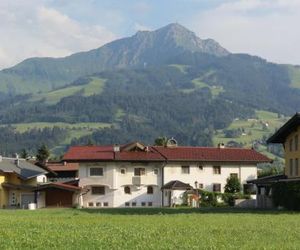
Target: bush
(286, 194)
(233, 185)
(209, 198)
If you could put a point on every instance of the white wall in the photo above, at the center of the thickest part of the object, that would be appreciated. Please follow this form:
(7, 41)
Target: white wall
(206, 176)
(114, 181)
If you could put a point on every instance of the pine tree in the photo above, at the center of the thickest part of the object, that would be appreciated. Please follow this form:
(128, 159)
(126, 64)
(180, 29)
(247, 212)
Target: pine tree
(43, 154)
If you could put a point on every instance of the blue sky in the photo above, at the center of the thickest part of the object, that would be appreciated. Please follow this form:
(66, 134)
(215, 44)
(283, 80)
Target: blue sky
(267, 28)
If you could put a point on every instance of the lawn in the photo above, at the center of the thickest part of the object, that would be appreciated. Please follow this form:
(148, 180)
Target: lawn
(254, 130)
(149, 229)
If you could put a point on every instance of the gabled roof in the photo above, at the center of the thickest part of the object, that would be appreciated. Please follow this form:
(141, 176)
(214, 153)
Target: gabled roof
(156, 153)
(209, 154)
(127, 152)
(59, 185)
(104, 153)
(62, 166)
(21, 167)
(177, 185)
(281, 134)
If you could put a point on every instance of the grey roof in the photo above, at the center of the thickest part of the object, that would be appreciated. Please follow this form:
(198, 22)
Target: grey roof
(23, 168)
(177, 185)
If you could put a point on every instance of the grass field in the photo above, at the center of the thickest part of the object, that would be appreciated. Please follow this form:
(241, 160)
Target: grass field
(148, 229)
(95, 86)
(254, 129)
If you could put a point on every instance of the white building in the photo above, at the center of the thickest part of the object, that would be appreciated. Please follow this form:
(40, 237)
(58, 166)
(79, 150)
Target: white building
(135, 175)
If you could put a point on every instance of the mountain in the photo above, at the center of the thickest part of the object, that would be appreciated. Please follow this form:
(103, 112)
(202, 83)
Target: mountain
(145, 48)
(166, 82)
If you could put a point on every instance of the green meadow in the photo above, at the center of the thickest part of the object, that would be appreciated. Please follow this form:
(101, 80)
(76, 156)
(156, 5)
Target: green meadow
(263, 125)
(217, 228)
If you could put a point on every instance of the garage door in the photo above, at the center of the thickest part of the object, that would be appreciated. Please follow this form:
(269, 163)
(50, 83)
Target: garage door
(59, 198)
(26, 199)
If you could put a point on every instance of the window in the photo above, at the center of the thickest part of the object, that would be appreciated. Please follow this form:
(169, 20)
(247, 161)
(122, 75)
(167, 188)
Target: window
(217, 187)
(185, 169)
(133, 204)
(127, 190)
(98, 190)
(166, 193)
(90, 204)
(291, 144)
(149, 190)
(105, 204)
(200, 167)
(96, 171)
(150, 204)
(139, 171)
(127, 204)
(217, 169)
(143, 204)
(235, 175)
(296, 167)
(98, 204)
(296, 142)
(155, 171)
(200, 185)
(291, 167)
(123, 171)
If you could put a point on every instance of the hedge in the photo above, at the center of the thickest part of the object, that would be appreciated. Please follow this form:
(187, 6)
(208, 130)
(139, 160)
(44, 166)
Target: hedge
(286, 194)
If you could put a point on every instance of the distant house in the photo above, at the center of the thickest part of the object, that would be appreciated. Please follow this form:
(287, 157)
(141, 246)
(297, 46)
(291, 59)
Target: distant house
(18, 181)
(135, 175)
(61, 189)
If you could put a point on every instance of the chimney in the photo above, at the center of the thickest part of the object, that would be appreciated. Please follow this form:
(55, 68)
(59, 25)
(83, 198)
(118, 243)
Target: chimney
(221, 145)
(17, 161)
(116, 148)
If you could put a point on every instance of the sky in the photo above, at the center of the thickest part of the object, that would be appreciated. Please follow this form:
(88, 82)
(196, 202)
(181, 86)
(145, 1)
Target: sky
(57, 28)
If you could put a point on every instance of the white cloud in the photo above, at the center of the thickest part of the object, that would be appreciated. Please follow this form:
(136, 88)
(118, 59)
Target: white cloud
(32, 29)
(141, 27)
(267, 28)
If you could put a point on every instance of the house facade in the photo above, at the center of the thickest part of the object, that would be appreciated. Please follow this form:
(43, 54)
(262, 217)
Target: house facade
(18, 179)
(135, 175)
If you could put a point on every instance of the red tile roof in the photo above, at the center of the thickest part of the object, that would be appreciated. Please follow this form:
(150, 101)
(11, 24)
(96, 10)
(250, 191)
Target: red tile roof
(212, 154)
(105, 153)
(60, 166)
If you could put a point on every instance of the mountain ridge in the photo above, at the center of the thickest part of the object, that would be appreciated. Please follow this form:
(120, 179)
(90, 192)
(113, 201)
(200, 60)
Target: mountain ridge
(143, 48)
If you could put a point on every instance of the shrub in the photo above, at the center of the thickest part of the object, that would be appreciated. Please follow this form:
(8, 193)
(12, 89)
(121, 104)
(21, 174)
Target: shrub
(286, 194)
(233, 185)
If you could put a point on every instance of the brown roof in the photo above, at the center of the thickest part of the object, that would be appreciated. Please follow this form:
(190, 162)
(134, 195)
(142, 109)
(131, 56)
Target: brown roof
(59, 185)
(209, 154)
(62, 166)
(156, 153)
